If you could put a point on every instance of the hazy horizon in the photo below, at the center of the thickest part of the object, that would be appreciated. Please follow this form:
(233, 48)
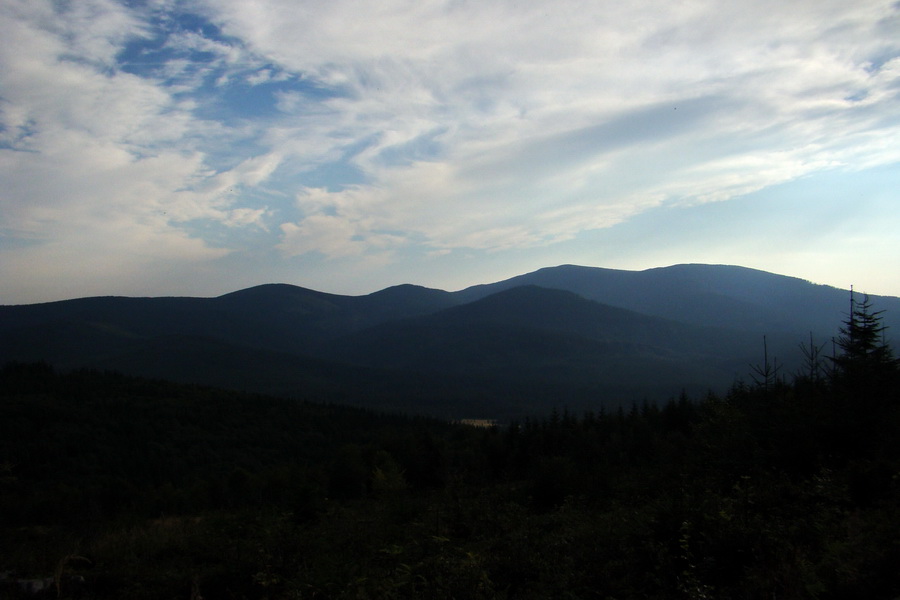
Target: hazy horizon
(873, 293)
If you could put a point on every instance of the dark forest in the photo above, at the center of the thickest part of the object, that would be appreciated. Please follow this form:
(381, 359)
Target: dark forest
(786, 486)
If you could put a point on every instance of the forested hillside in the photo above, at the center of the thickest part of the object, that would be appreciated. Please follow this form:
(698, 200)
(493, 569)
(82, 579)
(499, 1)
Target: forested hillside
(562, 336)
(787, 487)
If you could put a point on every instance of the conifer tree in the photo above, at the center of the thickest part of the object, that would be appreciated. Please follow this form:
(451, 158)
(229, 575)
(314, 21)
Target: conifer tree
(865, 357)
(865, 380)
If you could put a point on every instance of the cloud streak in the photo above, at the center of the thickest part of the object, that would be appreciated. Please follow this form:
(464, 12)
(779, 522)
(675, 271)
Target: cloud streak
(527, 97)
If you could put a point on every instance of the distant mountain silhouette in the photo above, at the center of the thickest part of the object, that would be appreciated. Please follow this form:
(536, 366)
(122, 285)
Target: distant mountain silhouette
(576, 335)
(717, 295)
(277, 317)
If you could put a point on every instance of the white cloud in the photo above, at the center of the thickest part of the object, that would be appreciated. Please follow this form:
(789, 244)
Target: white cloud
(517, 91)
(327, 234)
(98, 162)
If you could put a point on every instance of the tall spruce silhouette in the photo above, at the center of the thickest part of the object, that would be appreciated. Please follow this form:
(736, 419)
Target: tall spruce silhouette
(865, 383)
(865, 358)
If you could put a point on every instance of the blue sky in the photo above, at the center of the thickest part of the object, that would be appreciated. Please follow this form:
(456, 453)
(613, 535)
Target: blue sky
(169, 147)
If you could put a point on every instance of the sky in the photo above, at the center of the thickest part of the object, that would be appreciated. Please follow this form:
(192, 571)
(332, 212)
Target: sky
(197, 147)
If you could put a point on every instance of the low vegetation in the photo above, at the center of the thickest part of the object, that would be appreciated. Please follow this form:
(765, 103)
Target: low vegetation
(785, 487)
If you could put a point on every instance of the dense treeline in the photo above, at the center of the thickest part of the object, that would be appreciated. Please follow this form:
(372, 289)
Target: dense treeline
(787, 487)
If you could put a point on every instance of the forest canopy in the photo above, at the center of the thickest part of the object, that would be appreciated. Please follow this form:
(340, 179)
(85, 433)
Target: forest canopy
(789, 487)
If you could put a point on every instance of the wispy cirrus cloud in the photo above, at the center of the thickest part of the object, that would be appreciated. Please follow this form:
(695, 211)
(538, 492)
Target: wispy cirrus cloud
(104, 166)
(536, 107)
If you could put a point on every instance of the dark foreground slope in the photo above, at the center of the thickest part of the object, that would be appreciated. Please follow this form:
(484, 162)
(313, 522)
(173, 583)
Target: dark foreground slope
(118, 487)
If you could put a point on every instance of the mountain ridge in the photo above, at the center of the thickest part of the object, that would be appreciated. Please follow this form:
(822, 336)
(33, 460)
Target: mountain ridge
(619, 334)
(695, 292)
